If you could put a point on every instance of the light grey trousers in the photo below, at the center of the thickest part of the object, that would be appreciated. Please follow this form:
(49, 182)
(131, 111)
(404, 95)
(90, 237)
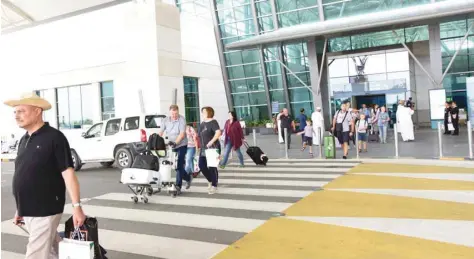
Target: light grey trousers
(43, 242)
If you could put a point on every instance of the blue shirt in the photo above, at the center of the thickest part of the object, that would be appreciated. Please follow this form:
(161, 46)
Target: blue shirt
(173, 128)
(302, 119)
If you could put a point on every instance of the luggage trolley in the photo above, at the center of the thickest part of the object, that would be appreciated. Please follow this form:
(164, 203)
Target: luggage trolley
(145, 182)
(168, 161)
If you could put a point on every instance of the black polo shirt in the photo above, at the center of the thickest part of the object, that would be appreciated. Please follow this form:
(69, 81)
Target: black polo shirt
(38, 184)
(286, 121)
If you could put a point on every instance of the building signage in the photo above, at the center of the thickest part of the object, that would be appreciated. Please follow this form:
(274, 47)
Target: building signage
(470, 99)
(275, 107)
(437, 103)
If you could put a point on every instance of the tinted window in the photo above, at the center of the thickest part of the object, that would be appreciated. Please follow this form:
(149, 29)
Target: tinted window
(153, 121)
(95, 131)
(132, 123)
(113, 127)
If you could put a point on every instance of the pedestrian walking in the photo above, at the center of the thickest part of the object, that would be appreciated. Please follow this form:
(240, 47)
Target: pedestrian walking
(343, 128)
(287, 123)
(43, 172)
(209, 133)
(383, 121)
(174, 127)
(233, 139)
(193, 143)
(307, 134)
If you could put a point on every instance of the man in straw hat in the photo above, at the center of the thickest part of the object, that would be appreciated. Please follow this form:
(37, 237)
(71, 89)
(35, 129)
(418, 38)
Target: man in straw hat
(43, 170)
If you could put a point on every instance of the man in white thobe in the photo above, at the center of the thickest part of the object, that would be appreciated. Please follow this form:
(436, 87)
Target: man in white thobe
(318, 125)
(405, 122)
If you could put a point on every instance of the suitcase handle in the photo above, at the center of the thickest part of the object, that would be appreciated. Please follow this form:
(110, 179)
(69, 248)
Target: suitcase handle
(246, 144)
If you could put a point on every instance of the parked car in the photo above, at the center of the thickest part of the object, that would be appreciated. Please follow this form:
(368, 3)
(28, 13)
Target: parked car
(114, 141)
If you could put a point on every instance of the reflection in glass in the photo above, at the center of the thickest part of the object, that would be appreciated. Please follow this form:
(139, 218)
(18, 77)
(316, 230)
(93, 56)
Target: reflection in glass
(62, 98)
(89, 93)
(277, 96)
(75, 109)
(300, 95)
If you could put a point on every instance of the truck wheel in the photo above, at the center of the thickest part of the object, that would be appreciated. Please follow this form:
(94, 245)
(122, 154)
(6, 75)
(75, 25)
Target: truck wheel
(123, 158)
(106, 164)
(76, 161)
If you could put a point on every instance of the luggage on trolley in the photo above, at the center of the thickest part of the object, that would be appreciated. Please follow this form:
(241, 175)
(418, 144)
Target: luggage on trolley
(151, 170)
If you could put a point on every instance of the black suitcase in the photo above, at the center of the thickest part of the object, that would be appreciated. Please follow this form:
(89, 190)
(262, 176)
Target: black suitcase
(256, 154)
(373, 136)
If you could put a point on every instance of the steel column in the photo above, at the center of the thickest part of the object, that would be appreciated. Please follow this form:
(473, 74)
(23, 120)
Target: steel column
(262, 59)
(321, 10)
(293, 74)
(402, 41)
(283, 74)
(220, 48)
(274, 15)
(322, 64)
(456, 53)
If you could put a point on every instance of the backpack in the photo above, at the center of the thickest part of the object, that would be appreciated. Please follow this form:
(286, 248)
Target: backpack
(156, 142)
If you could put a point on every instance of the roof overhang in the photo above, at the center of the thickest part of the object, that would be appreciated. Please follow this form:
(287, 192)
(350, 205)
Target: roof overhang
(21, 14)
(409, 16)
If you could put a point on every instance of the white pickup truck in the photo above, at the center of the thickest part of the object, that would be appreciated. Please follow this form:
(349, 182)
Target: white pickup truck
(116, 140)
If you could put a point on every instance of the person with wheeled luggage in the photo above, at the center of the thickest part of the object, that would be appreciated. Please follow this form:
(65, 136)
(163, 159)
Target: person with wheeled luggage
(209, 133)
(233, 139)
(174, 127)
(43, 172)
(343, 128)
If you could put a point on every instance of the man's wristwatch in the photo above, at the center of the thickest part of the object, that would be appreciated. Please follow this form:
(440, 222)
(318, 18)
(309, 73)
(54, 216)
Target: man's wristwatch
(74, 205)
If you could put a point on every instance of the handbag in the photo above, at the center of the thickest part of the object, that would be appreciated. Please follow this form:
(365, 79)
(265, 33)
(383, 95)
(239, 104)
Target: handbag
(90, 231)
(450, 127)
(76, 247)
(212, 157)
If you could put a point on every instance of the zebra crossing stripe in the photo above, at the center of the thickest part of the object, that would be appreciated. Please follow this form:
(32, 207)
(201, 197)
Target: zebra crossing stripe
(276, 175)
(205, 202)
(148, 245)
(266, 182)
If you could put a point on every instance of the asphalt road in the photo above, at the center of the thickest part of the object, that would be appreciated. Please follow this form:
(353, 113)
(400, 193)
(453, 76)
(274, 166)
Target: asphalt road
(200, 223)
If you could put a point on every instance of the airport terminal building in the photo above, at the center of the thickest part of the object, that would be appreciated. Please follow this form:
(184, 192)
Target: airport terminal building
(309, 53)
(119, 58)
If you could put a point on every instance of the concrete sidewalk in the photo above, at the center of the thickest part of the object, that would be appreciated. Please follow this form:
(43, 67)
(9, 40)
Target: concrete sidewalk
(425, 146)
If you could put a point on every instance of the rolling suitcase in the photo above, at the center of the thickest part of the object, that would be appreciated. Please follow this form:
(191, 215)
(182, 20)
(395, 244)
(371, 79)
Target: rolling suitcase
(256, 154)
(330, 147)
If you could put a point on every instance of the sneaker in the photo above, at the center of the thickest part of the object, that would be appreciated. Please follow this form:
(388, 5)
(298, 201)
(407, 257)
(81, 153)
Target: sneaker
(188, 184)
(344, 157)
(212, 190)
(221, 166)
(241, 166)
(209, 185)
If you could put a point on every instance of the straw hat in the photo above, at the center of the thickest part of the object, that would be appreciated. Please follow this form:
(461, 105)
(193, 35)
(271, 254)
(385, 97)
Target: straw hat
(30, 99)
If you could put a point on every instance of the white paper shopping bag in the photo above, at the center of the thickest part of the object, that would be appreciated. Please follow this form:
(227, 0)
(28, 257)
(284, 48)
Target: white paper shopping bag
(75, 249)
(212, 157)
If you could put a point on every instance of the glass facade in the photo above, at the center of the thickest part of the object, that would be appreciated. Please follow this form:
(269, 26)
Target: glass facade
(191, 99)
(107, 100)
(451, 34)
(256, 79)
(384, 73)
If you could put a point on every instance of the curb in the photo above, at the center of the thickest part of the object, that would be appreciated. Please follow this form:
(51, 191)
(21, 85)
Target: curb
(5, 160)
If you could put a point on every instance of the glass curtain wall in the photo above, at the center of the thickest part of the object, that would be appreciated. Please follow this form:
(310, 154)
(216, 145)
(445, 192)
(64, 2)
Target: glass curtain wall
(191, 100)
(451, 34)
(107, 100)
(383, 72)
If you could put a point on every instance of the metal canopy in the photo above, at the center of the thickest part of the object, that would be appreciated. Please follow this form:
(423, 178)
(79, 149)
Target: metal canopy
(19, 14)
(420, 14)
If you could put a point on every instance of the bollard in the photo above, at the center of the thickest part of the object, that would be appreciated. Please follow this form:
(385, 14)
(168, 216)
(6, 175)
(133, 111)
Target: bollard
(469, 137)
(395, 131)
(357, 143)
(285, 131)
(320, 137)
(254, 133)
(440, 140)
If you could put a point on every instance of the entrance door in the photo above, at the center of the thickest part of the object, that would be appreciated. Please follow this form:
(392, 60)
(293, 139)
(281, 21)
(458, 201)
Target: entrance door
(370, 100)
